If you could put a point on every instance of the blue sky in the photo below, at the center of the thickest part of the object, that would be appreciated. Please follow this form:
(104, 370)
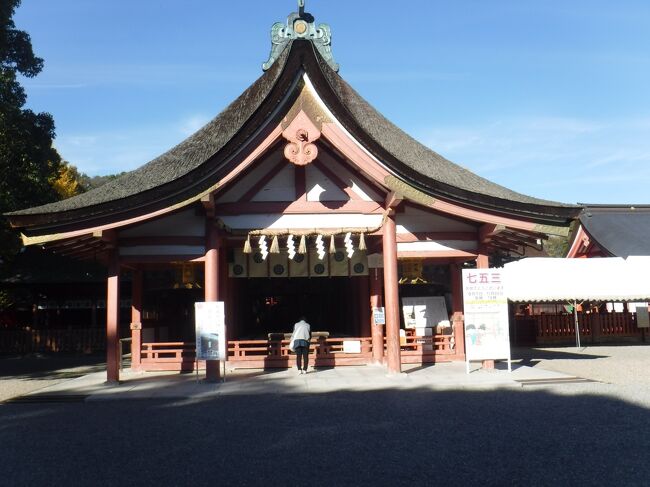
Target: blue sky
(551, 99)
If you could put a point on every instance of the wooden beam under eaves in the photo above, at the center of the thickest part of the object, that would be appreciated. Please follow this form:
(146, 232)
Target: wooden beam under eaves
(207, 201)
(85, 252)
(108, 236)
(529, 241)
(507, 239)
(506, 248)
(393, 199)
(488, 231)
(528, 233)
(59, 245)
(74, 248)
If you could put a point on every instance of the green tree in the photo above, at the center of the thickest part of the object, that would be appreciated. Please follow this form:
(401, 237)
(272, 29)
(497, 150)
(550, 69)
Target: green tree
(557, 246)
(28, 162)
(89, 183)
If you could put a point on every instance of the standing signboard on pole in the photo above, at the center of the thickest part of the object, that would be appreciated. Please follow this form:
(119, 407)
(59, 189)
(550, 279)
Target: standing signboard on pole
(210, 330)
(487, 333)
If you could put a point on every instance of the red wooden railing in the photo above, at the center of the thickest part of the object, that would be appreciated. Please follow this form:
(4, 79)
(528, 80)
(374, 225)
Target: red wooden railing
(276, 354)
(427, 349)
(551, 327)
(617, 324)
(25, 340)
(594, 327)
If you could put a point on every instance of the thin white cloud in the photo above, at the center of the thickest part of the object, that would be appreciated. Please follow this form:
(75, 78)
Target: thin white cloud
(88, 75)
(127, 148)
(400, 75)
(54, 86)
(191, 124)
(560, 158)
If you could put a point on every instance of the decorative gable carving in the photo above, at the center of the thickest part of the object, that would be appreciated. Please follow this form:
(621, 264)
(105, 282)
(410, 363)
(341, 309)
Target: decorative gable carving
(301, 133)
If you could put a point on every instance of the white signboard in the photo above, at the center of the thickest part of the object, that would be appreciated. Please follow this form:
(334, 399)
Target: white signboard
(424, 312)
(487, 335)
(352, 346)
(379, 315)
(210, 331)
(642, 318)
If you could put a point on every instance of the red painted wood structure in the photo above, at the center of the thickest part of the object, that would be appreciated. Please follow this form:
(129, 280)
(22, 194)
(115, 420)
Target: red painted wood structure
(559, 328)
(298, 154)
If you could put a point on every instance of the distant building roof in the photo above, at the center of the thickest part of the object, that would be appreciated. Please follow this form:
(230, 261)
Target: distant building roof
(619, 230)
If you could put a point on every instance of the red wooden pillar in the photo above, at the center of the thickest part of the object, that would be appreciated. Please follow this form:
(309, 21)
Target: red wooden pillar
(212, 367)
(457, 310)
(376, 285)
(225, 288)
(391, 296)
(113, 317)
(482, 262)
(136, 320)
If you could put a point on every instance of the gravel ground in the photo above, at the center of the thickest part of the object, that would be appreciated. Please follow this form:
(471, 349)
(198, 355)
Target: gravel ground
(21, 375)
(593, 433)
(618, 371)
(619, 365)
(503, 437)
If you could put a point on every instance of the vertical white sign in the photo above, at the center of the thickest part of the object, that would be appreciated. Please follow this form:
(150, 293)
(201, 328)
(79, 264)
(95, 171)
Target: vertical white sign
(379, 315)
(642, 318)
(487, 334)
(210, 330)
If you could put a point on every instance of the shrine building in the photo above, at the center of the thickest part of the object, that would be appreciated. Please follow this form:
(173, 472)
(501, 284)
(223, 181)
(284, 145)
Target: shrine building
(611, 231)
(298, 199)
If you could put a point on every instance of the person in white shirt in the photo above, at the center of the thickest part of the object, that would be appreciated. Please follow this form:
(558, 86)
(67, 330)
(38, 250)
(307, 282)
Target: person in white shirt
(300, 344)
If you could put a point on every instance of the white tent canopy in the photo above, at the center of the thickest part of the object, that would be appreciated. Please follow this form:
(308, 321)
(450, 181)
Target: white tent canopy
(599, 279)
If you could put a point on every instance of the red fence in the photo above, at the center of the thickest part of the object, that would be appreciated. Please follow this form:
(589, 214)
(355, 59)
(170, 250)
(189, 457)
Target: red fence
(324, 352)
(594, 327)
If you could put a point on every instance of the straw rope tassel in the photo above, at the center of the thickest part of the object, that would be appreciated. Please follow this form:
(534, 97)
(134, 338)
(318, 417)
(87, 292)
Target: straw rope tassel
(362, 242)
(332, 245)
(302, 248)
(247, 245)
(275, 246)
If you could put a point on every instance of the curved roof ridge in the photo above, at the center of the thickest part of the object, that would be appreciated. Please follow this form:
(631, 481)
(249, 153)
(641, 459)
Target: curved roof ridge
(181, 159)
(181, 168)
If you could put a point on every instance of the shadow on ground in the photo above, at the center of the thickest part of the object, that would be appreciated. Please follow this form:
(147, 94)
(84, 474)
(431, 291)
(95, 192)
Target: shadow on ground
(532, 356)
(385, 437)
(50, 366)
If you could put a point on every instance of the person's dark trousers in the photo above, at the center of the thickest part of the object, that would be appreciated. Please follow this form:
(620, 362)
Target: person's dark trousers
(302, 357)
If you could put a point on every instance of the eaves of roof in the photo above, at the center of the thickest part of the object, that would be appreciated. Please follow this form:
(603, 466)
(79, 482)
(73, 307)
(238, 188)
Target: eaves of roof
(198, 162)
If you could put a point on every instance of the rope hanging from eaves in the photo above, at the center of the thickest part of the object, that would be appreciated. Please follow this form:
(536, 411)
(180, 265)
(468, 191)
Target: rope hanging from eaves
(323, 233)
